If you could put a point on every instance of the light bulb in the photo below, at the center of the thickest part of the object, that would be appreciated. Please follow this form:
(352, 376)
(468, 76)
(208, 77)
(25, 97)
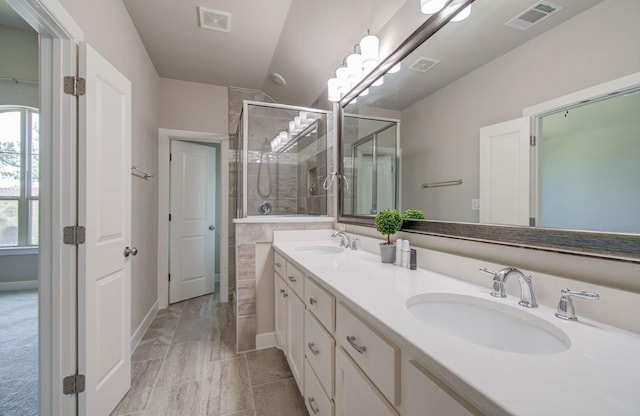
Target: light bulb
(462, 14)
(364, 92)
(369, 65)
(395, 68)
(431, 6)
(333, 94)
(369, 47)
(378, 82)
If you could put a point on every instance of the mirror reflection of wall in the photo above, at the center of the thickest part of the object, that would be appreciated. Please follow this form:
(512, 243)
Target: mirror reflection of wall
(370, 163)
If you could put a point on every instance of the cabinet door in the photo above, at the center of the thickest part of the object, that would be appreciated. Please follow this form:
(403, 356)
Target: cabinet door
(424, 394)
(281, 312)
(295, 337)
(355, 394)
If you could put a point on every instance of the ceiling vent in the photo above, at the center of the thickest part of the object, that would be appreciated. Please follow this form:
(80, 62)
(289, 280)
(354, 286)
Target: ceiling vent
(214, 19)
(533, 15)
(423, 64)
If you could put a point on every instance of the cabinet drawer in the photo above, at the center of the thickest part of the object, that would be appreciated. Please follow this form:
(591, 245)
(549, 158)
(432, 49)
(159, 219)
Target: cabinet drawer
(295, 278)
(320, 303)
(317, 402)
(319, 349)
(356, 395)
(374, 354)
(279, 264)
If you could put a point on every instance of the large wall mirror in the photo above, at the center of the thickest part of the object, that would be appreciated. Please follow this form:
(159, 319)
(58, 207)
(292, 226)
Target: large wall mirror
(520, 125)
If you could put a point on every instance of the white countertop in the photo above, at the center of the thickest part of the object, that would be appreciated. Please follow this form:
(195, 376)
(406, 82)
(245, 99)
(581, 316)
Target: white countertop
(598, 375)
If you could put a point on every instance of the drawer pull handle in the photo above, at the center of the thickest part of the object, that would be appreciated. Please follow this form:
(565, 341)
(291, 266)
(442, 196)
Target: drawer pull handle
(313, 301)
(278, 264)
(314, 407)
(281, 291)
(313, 348)
(285, 294)
(352, 341)
(292, 279)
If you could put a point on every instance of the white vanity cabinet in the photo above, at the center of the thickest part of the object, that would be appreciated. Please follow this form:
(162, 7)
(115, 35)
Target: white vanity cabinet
(424, 394)
(289, 319)
(343, 364)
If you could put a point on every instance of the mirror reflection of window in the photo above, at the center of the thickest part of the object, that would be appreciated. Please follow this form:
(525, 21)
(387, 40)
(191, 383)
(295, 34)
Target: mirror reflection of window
(589, 166)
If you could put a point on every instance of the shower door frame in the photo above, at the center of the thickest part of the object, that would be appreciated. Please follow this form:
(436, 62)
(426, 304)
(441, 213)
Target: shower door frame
(245, 144)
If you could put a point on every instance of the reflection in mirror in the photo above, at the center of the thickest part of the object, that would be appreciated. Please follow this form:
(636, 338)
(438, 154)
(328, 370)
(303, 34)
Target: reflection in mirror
(486, 70)
(589, 166)
(369, 149)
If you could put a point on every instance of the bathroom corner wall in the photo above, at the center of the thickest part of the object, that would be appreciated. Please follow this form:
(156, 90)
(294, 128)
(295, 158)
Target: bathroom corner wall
(236, 97)
(254, 260)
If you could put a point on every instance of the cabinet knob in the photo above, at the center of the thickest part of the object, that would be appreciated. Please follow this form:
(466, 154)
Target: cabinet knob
(313, 301)
(130, 251)
(313, 348)
(292, 279)
(312, 404)
(352, 340)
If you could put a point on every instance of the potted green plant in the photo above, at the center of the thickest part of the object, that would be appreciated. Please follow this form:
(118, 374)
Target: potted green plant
(388, 222)
(413, 214)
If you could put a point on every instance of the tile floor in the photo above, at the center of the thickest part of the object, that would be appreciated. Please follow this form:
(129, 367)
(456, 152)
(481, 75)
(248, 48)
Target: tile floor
(186, 365)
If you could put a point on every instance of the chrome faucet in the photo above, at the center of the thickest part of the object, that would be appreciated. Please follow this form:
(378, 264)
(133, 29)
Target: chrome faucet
(345, 241)
(527, 297)
(566, 310)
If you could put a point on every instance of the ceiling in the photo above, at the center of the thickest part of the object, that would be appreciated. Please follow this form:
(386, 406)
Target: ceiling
(303, 40)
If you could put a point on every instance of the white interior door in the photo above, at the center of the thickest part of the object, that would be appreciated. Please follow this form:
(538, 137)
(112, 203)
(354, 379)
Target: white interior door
(504, 172)
(192, 231)
(104, 207)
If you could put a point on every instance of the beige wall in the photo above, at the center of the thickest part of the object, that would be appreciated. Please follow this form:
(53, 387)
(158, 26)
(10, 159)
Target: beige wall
(440, 133)
(108, 28)
(193, 106)
(22, 46)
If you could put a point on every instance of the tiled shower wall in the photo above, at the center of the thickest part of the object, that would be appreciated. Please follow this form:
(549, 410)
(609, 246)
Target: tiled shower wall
(248, 235)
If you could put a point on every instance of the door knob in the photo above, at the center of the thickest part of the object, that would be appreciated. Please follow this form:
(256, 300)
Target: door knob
(130, 251)
(211, 227)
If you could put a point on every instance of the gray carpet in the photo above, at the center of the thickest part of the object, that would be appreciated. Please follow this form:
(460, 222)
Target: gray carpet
(19, 353)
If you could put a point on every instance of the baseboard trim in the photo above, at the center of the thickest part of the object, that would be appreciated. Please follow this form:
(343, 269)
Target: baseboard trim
(22, 285)
(266, 340)
(144, 325)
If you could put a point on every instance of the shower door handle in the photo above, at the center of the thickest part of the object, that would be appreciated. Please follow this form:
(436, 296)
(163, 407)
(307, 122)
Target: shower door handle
(211, 227)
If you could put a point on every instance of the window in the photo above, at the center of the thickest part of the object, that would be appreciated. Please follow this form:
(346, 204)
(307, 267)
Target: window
(19, 176)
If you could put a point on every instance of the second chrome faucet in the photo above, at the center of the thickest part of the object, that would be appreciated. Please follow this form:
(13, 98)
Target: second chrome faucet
(527, 297)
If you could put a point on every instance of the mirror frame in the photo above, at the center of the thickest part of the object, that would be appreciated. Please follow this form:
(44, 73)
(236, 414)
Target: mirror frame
(610, 246)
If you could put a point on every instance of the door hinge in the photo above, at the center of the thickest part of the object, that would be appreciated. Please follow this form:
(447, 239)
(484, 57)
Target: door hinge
(532, 140)
(532, 221)
(169, 217)
(74, 86)
(169, 276)
(170, 157)
(73, 384)
(73, 234)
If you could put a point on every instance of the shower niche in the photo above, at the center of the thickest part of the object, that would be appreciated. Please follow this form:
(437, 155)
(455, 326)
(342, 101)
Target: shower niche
(282, 160)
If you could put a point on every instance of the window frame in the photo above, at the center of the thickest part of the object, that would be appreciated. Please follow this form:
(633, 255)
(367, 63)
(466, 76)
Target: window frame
(25, 219)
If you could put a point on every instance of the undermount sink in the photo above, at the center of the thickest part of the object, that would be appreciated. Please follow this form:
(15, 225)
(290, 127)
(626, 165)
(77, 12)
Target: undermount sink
(488, 323)
(321, 249)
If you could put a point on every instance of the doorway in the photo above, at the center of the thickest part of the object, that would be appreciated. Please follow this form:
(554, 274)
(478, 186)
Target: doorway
(166, 136)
